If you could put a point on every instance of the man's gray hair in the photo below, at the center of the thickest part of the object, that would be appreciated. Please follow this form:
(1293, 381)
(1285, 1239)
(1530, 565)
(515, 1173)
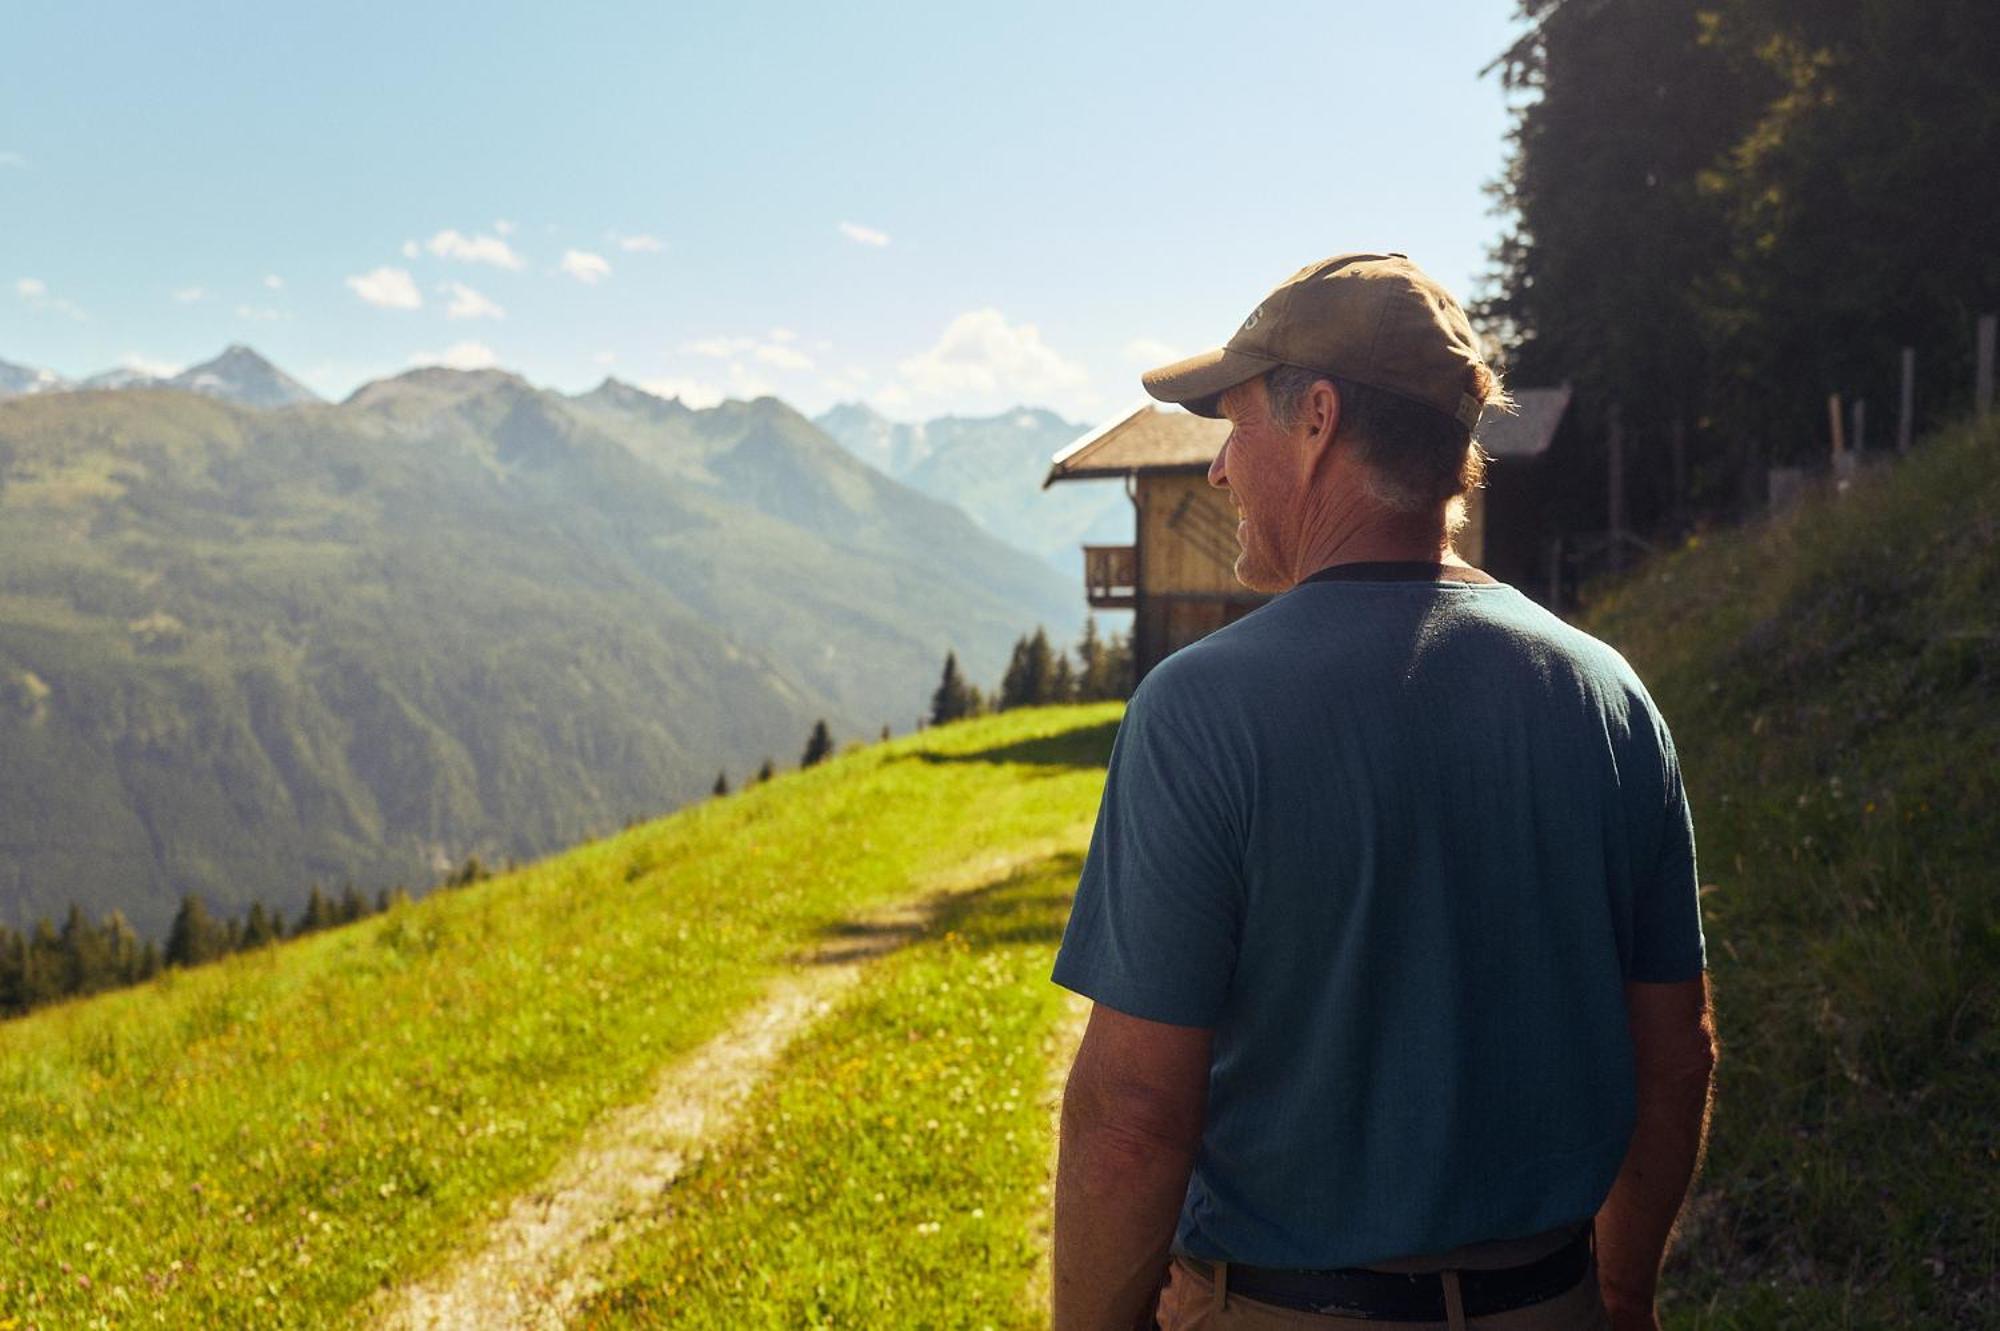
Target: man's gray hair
(1414, 457)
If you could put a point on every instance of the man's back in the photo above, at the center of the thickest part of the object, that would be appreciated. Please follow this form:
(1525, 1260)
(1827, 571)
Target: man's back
(1401, 845)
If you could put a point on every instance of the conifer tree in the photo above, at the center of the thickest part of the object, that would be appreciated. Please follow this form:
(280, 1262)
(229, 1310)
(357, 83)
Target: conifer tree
(317, 915)
(954, 697)
(819, 745)
(258, 929)
(122, 944)
(232, 936)
(352, 905)
(13, 971)
(885, 732)
(1041, 669)
(41, 975)
(1062, 681)
(1014, 688)
(194, 938)
(86, 955)
(766, 772)
(721, 784)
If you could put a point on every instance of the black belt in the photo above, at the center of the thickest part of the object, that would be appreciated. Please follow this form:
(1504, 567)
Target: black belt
(1384, 1296)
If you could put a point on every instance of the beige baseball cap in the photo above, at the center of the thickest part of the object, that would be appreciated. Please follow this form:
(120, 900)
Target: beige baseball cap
(1374, 319)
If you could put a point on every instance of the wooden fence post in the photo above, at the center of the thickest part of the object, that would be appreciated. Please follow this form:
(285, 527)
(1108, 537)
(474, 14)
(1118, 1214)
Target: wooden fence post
(1839, 426)
(1906, 400)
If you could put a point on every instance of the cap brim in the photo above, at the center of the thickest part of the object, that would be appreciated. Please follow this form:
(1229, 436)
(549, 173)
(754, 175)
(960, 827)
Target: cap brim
(1198, 382)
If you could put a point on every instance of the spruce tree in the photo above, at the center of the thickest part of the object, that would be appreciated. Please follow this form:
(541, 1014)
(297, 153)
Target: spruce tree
(258, 928)
(13, 972)
(1062, 681)
(86, 955)
(766, 772)
(1040, 668)
(954, 697)
(352, 906)
(1015, 689)
(721, 784)
(317, 915)
(194, 937)
(819, 745)
(1090, 664)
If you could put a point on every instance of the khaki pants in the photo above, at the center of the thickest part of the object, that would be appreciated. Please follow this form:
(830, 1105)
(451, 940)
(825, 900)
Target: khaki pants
(1192, 1302)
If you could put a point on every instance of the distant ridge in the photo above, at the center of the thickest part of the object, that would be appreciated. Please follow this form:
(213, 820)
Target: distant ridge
(239, 374)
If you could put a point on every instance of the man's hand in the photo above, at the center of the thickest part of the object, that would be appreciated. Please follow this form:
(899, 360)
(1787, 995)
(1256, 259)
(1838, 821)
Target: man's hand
(1673, 1047)
(1131, 1122)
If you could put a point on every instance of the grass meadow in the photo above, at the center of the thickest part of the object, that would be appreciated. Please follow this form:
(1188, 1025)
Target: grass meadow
(266, 1141)
(893, 1170)
(1830, 679)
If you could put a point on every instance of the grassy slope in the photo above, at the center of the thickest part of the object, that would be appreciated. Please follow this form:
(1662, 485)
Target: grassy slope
(1830, 679)
(266, 1141)
(929, 1207)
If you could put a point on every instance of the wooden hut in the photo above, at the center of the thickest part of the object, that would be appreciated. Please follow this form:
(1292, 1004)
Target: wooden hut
(1178, 577)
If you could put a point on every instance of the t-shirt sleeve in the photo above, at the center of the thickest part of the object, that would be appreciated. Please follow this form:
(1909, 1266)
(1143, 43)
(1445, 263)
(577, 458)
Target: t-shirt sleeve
(1153, 930)
(1667, 942)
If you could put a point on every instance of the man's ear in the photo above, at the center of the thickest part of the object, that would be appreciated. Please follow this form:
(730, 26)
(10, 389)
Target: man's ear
(1321, 418)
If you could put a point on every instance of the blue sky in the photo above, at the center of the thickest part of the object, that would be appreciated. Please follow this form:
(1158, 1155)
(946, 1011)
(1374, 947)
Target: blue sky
(931, 207)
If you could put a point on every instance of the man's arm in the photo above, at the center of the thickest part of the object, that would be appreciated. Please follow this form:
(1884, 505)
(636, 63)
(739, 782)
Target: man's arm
(1131, 1121)
(1673, 1043)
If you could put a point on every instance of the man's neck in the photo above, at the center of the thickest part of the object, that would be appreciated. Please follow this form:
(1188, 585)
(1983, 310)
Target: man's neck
(1379, 537)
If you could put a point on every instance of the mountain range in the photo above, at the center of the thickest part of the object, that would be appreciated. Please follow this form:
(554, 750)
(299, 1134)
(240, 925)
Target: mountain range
(238, 375)
(993, 467)
(247, 649)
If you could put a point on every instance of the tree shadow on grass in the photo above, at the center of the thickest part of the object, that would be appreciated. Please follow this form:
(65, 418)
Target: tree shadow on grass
(1086, 747)
(1027, 905)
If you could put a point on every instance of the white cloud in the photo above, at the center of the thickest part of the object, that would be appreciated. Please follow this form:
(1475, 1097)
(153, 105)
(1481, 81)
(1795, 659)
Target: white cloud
(18, 161)
(638, 244)
(1150, 351)
(258, 314)
(984, 361)
(585, 267)
(449, 244)
(457, 356)
(411, 249)
(721, 348)
(146, 365)
(845, 385)
(775, 349)
(469, 304)
(503, 227)
(696, 393)
(388, 288)
(783, 357)
(189, 295)
(36, 292)
(272, 282)
(606, 358)
(863, 235)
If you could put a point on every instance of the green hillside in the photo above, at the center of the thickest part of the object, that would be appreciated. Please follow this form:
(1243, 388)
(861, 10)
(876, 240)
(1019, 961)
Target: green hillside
(267, 1140)
(279, 1139)
(1830, 678)
(244, 651)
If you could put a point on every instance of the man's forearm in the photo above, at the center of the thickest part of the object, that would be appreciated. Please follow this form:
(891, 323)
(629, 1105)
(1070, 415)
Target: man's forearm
(1637, 1219)
(1118, 1195)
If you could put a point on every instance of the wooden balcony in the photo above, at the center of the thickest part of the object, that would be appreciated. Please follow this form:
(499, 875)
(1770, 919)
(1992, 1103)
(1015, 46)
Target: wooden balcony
(1111, 576)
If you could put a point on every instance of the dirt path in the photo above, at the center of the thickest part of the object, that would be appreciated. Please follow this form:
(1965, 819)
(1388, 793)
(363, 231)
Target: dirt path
(535, 1264)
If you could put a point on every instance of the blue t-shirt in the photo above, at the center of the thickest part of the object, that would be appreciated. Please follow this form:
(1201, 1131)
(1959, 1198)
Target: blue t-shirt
(1401, 845)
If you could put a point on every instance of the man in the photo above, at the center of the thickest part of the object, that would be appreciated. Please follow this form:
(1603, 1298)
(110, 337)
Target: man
(1390, 915)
